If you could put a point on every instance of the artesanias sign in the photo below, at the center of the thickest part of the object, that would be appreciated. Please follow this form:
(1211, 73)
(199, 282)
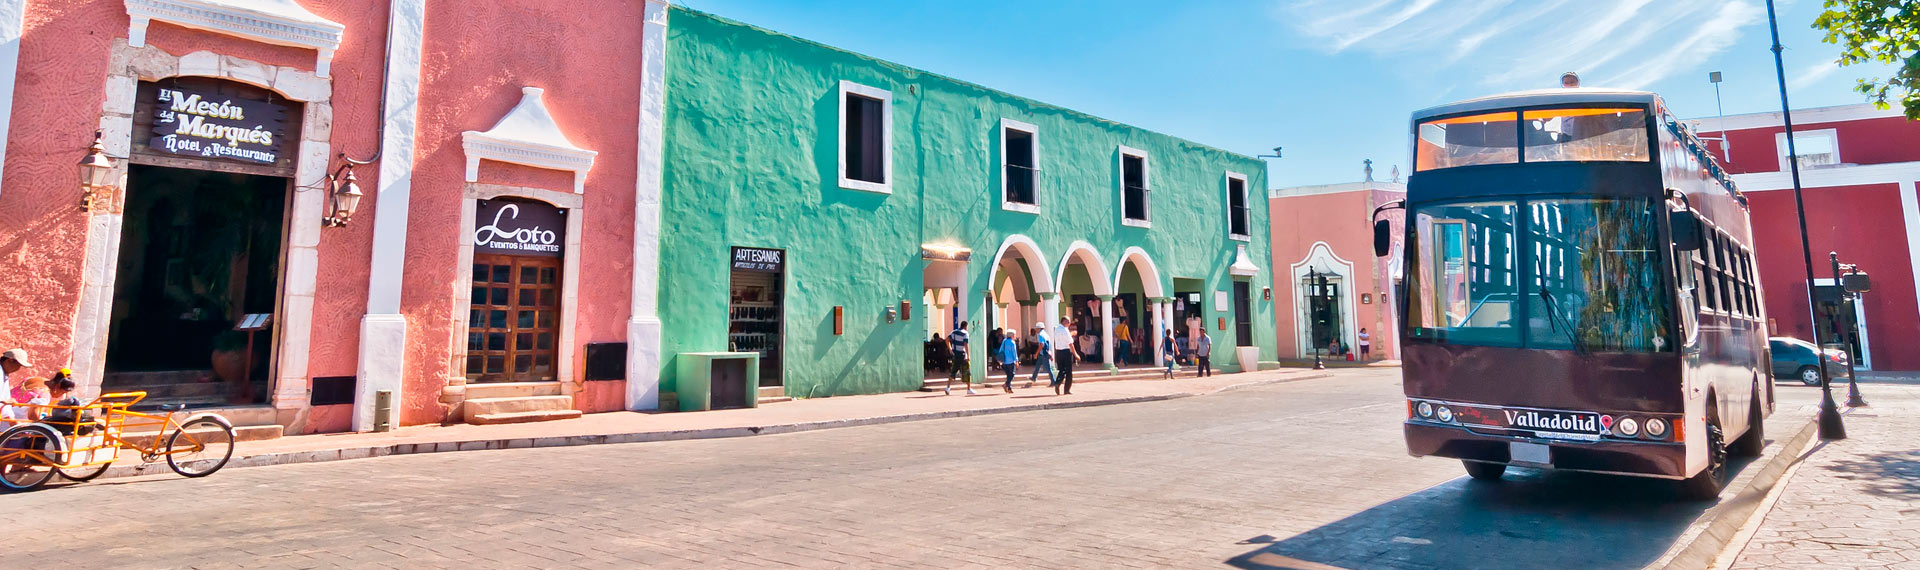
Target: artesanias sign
(519, 227)
(758, 259)
(211, 125)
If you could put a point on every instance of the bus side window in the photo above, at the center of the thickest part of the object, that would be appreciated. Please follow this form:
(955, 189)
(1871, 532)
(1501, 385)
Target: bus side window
(1710, 297)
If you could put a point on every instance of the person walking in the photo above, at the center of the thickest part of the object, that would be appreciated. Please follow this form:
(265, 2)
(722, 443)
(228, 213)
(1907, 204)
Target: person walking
(1063, 357)
(1042, 357)
(1168, 352)
(961, 367)
(1366, 345)
(1009, 356)
(1124, 352)
(1204, 352)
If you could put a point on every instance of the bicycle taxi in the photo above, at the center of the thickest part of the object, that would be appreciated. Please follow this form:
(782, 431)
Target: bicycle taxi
(81, 442)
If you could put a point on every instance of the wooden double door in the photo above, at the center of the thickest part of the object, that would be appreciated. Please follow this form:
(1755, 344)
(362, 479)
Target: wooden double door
(513, 328)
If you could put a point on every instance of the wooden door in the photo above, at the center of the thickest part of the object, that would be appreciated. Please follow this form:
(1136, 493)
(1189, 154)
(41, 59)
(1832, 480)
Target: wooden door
(514, 323)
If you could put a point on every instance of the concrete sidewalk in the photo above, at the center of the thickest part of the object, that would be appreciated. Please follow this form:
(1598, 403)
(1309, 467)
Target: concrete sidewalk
(784, 417)
(1852, 503)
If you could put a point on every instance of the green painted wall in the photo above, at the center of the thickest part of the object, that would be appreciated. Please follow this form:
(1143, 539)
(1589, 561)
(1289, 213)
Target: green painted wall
(751, 160)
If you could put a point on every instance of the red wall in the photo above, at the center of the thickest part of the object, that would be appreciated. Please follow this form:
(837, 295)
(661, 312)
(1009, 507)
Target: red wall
(1864, 225)
(1865, 141)
(477, 57)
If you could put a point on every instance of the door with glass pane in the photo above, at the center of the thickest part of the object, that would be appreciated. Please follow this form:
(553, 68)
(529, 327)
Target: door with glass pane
(513, 326)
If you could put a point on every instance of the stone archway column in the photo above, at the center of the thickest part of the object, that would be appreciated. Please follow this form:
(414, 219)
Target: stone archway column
(1106, 331)
(1161, 310)
(1050, 311)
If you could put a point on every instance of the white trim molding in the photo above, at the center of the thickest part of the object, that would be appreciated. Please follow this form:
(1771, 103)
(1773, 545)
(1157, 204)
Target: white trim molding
(1809, 116)
(1033, 134)
(1096, 267)
(1150, 283)
(643, 324)
(1885, 173)
(1801, 136)
(1030, 252)
(1146, 178)
(1321, 258)
(885, 186)
(1243, 265)
(1910, 211)
(528, 136)
(1246, 200)
(575, 205)
(1316, 190)
(277, 22)
(13, 16)
(383, 331)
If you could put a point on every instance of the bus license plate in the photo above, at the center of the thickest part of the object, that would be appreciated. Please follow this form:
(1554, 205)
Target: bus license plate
(1522, 452)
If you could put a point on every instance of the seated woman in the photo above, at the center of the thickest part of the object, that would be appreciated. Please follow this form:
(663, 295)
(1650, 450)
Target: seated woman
(26, 399)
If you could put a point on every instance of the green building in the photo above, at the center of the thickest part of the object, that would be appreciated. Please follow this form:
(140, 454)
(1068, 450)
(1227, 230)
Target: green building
(830, 212)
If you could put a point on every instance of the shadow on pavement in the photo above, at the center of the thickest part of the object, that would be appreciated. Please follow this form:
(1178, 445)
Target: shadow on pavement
(1533, 519)
(1893, 474)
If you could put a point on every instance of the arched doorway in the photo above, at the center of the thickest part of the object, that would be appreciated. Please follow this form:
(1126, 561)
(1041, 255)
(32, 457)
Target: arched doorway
(1139, 297)
(1086, 288)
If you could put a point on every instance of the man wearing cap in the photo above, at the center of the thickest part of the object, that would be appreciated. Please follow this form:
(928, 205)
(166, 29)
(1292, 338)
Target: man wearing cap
(1043, 358)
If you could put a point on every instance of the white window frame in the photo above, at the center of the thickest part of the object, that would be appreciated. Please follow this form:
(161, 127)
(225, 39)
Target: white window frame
(1780, 145)
(1034, 132)
(1146, 177)
(886, 137)
(1246, 196)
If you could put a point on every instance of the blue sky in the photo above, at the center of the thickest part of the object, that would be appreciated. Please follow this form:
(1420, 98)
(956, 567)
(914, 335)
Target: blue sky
(1333, 81)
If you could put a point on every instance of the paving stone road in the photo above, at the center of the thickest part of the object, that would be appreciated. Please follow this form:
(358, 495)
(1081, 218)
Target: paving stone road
(1854, 503)
(1259, 477)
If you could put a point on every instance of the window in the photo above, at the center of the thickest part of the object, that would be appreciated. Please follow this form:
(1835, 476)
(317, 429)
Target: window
(1816, 148)
(1466, 289)
(1020, 155)
(1134, 192)
(1238, 221)
(1562, 135)
(866, 138)
(514, 318)
(1729, 298)
(1595, 275)
(1467, 141)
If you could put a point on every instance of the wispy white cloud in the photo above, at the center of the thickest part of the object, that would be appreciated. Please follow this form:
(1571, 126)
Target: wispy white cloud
(1508, 44)
(1812, 75)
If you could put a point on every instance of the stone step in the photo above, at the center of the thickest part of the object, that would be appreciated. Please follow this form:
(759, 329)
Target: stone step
(240, 433)
(764, 400)
(480, 391)
(772, 392)
(522, 417)
(475, 408)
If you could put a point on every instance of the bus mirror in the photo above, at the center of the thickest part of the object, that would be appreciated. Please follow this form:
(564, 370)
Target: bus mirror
(1382, 238)
(1686, 230)
(1856, 282)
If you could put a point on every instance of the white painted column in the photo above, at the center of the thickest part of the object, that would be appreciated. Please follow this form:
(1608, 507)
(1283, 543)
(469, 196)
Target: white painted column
(643, 327)
(1910, 211)
(383, 331)
(13, 16)
(1106, 331)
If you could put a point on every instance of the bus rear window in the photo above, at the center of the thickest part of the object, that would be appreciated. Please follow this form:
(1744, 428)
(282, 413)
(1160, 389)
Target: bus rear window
(1580, 135)
(1467, 141)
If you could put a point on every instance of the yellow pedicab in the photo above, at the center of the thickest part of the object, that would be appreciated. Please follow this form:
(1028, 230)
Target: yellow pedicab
(81, 442)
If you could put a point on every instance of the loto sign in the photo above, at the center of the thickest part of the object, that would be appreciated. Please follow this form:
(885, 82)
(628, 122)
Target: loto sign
(519, 227)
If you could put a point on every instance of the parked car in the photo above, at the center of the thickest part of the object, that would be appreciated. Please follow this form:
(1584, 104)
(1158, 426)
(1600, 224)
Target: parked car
(1793, 359)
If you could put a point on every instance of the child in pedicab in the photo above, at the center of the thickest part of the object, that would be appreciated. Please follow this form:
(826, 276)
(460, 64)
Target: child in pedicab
(66, 413)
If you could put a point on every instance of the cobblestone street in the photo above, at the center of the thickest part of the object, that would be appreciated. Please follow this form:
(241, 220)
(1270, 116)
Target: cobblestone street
(1285, 475)
(1854, 503)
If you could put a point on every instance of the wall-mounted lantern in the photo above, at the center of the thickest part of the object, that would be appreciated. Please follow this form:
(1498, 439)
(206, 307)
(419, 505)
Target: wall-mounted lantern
(95, 170)
(1266, 293)
(906, 310)
(343, 192)
(836, 320)
(890, 314)
(1366, 298)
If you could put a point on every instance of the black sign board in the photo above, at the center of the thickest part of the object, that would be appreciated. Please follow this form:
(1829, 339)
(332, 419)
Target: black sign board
(758, 259)
(207, 124)
(519, 227)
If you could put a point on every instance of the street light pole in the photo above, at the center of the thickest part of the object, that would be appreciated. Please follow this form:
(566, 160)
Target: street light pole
(1847, 296)
(1316, 287)
(1831, 426)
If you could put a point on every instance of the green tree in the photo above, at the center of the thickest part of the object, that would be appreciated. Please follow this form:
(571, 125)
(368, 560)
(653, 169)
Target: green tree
(1879, 31)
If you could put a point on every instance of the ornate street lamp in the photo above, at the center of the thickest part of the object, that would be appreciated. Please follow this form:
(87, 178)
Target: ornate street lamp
(96, 169)
(1852, 284)
(343, 192)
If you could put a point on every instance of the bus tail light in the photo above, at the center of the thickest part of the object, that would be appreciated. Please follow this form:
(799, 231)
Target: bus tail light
(1679, 430)
(1409, 409)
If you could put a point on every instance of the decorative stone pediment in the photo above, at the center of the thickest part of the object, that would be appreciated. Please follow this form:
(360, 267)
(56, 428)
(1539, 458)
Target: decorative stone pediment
(1242, 265)
(278, 22)
(528, 136)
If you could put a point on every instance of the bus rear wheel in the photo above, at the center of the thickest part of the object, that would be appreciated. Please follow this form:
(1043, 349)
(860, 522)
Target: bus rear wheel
(1754, 441)
(1485, 471)
(1706, 485)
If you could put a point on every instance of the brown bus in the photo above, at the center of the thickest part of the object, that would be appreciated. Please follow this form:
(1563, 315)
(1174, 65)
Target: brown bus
(1578, 292)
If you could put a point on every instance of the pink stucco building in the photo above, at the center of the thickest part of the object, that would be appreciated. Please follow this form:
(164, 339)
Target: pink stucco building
(1328, 285)
(507, 152)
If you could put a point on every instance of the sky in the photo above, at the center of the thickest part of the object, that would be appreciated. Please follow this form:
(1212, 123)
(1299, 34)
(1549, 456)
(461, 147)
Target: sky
(1333, 82)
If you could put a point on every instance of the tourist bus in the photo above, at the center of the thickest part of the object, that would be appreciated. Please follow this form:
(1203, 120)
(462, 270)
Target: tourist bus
(1578, 291)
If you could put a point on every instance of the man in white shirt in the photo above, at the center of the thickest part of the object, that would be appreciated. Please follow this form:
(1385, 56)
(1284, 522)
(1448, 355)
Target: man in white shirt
(1063, 356)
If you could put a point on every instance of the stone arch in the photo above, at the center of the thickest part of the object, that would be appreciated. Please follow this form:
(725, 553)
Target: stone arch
(1024, 249)
(1142, 263)
(1321, 258)
(1097, 271)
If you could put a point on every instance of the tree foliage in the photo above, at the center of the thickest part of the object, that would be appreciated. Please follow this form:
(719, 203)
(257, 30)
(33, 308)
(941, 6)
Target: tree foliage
(1879, 31)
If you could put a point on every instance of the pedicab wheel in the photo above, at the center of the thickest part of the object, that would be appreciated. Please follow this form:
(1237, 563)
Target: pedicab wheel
(84, 474)
(201, 447)
(28, 453)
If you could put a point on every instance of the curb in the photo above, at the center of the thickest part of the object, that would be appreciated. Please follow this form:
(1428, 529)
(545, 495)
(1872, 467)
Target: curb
(1706, 538)
(385, 450)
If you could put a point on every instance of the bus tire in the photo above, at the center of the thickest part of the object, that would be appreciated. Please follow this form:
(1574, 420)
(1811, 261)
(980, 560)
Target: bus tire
(1706, 485)
(1485, 471)
(1751, 443)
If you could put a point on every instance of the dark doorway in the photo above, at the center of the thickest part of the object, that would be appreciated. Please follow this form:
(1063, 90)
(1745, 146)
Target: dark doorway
(1323, 314)
(1839, 322)
(756, 310)
(199, 251)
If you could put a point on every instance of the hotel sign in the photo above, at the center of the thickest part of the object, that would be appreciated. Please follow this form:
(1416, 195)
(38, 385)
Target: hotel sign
(205, 124)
